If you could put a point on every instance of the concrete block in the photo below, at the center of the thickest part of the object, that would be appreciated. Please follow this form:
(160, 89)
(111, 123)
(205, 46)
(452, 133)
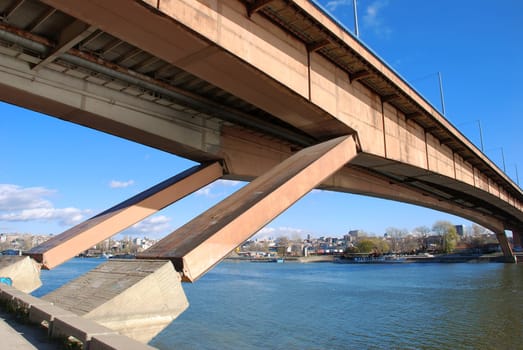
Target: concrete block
(116, 342)
(17, 300)
(24, 271)
(47, 312)
(8, 293)
(78, 327)
(28, 301)
(137, 298)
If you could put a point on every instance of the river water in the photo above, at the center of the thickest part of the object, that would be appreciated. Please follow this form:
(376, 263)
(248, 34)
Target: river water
(343, 306)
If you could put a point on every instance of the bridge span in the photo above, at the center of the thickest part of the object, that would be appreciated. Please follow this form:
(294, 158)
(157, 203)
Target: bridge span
(269, 91)
(243, 85)
(273, 92)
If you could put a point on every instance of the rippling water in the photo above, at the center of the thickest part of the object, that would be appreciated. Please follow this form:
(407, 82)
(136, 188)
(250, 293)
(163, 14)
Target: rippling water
(331, 306)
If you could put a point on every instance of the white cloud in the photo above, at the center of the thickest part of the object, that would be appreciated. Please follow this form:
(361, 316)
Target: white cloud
(13, 197)
(334, 4)
(372, 19)
(121, 184)
(64, 216)
(158, 225)
(217, 188)
(18, 204)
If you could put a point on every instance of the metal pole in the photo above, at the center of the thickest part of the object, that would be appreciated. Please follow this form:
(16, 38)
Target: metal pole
(480, 135)
(440, 93)
(503, 158)
(356, 29)
(517, 176)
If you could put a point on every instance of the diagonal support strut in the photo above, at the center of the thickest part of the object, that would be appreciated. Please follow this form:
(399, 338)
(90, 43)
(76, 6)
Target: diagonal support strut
(206, 240)
(66, 245)
(505, 247)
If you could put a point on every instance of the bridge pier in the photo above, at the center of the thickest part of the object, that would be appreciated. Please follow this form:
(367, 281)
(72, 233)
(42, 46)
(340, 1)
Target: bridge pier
(516, 238)
(203, 242)
(506, 248)
(136, 298)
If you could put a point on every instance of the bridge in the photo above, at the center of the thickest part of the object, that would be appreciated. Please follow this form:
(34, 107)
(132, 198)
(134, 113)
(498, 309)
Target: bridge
(274, 92)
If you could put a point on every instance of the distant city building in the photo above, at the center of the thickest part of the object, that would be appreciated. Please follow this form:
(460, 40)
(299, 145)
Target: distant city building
(353, 235)
(459, 230)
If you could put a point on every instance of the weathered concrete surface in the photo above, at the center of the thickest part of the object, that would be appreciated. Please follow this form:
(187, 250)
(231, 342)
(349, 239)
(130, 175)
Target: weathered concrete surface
(64, 246)
(506, 248)
(137, 298)
(18, 336)
(206, 240)
(265, 59)
(78, 327)
(24, 271)
(47, 321)
(116, 342)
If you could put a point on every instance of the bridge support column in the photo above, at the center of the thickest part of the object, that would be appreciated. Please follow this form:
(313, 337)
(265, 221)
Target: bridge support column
(516, 238)
(66, 245)
(136, 298)
(505, 247)
(203, 242)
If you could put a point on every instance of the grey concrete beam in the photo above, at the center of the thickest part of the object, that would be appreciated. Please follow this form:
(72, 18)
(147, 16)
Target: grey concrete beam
(187, 134)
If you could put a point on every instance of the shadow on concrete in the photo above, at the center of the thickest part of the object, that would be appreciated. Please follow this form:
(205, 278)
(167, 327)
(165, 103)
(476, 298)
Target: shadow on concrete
(34, 335)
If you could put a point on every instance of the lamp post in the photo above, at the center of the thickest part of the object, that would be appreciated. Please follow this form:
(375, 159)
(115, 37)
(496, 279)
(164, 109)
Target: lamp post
(480, 135)
(356, 29)
(502, 157)
(441, 94)
(480, 131)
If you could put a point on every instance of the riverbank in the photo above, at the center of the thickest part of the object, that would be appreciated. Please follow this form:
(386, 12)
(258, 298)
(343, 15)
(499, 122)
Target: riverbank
(296, 259)
(444, 258)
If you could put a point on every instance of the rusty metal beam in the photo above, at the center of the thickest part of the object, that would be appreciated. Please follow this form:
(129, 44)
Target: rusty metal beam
(203, 242)
(69, 37)
(66, 245)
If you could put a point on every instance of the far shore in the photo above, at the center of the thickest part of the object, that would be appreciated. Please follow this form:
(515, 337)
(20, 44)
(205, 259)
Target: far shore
(443, 258)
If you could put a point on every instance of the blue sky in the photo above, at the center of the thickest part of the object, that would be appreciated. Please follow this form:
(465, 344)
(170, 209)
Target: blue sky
(55, 174)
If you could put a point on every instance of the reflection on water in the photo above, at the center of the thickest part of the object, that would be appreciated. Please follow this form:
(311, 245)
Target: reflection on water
(331, 306)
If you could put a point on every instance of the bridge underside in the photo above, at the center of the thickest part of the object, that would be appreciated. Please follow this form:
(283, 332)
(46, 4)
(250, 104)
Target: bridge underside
(149, 77)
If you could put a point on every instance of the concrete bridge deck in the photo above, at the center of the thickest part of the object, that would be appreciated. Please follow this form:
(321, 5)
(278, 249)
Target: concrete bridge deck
(272, 92)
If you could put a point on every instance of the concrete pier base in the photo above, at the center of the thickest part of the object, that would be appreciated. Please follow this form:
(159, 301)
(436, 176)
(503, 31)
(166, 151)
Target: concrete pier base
(23, 271)
(508, 254)
(137, 298)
